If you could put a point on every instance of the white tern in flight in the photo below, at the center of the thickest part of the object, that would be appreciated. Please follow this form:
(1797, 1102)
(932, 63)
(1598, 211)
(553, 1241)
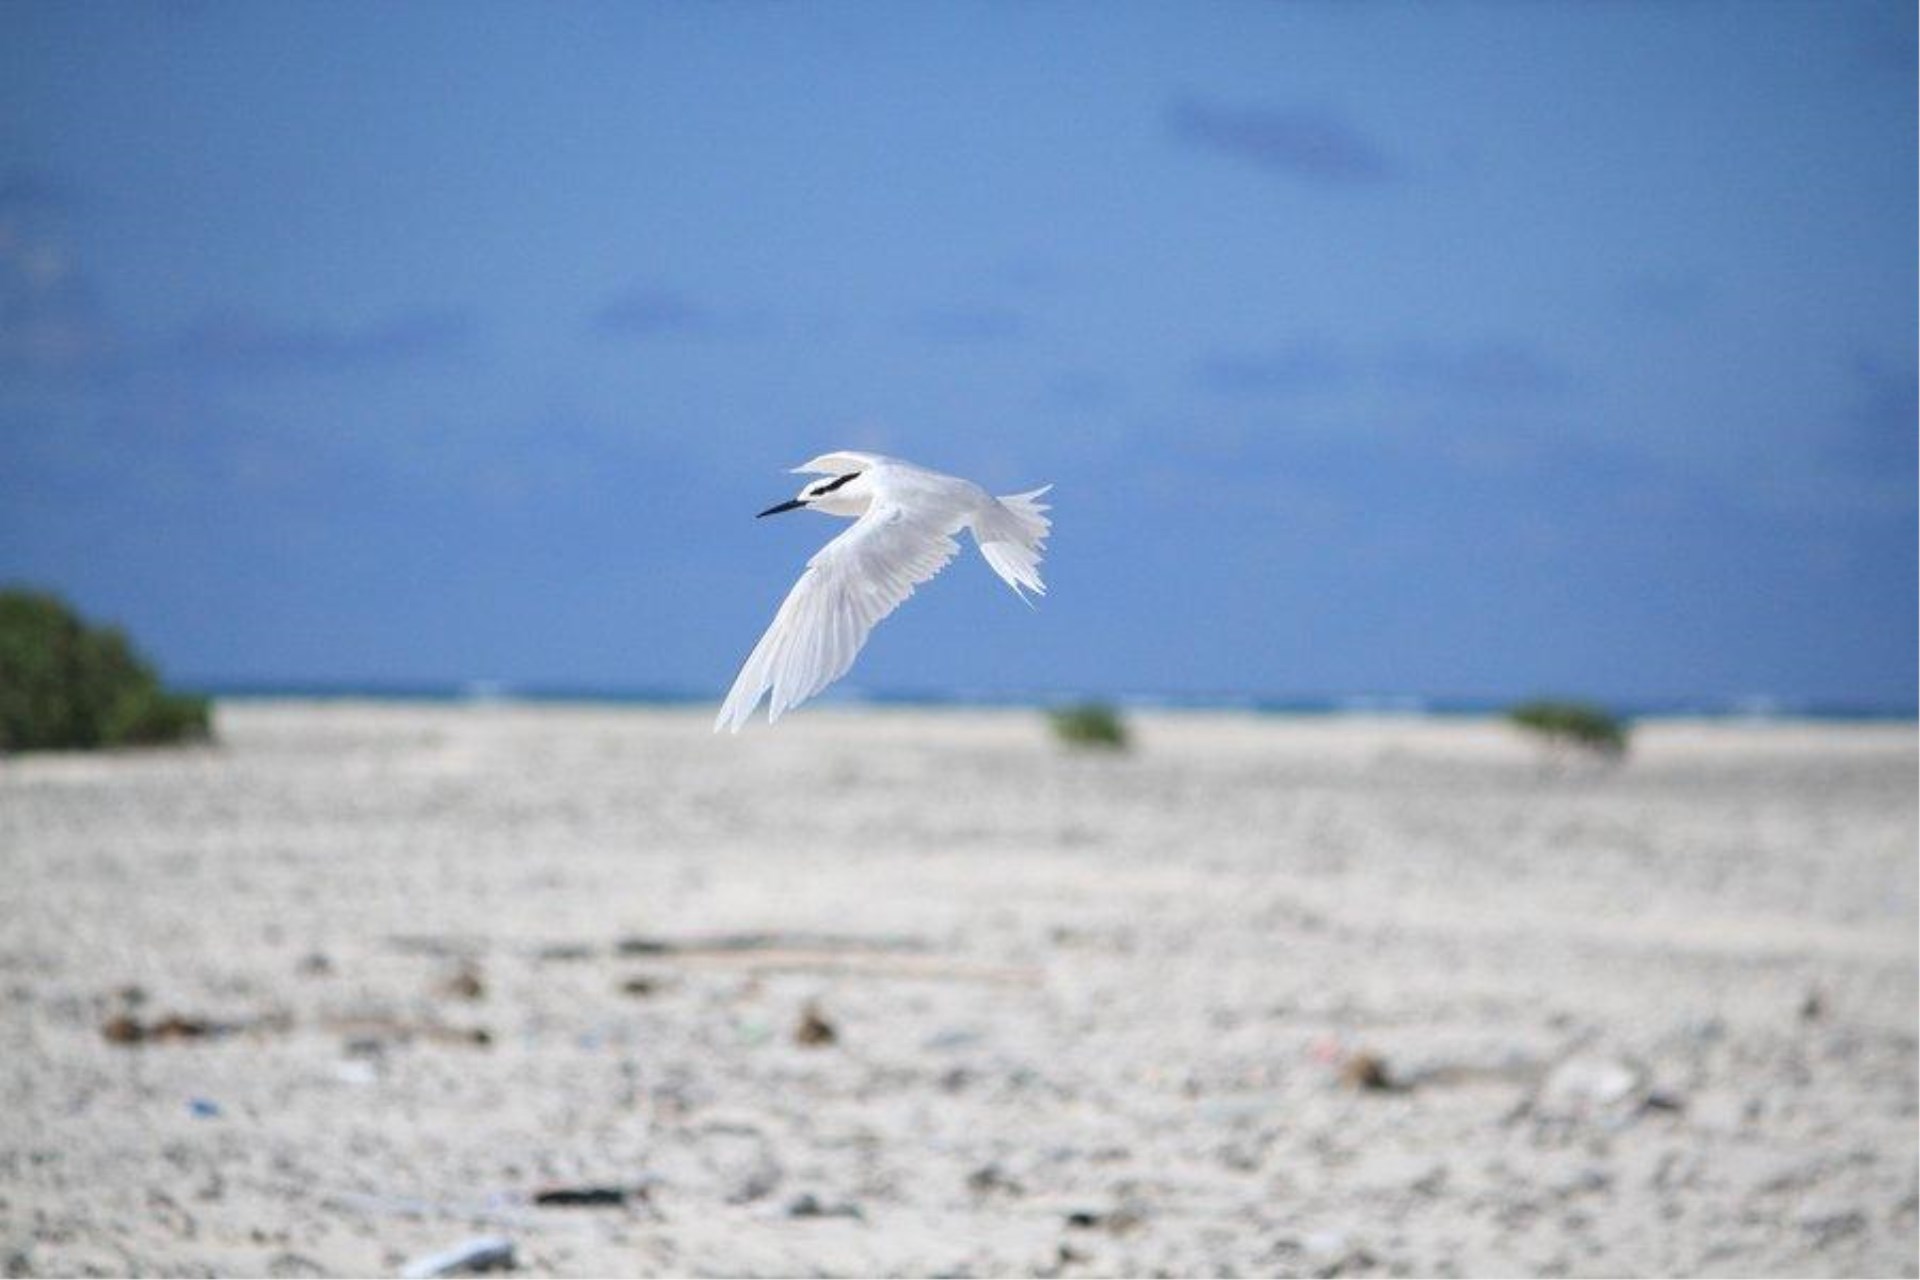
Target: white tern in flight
(905, 518)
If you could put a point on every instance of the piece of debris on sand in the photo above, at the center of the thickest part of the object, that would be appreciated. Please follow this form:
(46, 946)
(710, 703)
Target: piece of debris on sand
(470, 1257)
(808, 1205)
(1369, 1073)
(465, 983)
(125, 1029)
(585, 1197)
(814, 1029)
(366, 1035)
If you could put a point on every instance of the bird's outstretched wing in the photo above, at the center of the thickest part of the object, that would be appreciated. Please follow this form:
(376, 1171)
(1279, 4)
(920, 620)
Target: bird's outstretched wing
(837, 464)
(850, 584)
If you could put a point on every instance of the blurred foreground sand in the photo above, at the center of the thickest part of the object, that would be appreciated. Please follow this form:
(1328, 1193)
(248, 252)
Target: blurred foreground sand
(1077, 1014)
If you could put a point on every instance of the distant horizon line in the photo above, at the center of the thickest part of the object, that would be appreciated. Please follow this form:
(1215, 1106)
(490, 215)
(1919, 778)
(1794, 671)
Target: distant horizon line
(1745, 706)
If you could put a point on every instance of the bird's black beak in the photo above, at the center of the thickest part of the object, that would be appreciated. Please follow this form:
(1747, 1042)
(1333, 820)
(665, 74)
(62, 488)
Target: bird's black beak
(789, 505)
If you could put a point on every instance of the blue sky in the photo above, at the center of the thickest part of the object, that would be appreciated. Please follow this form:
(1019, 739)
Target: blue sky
(1457, 349)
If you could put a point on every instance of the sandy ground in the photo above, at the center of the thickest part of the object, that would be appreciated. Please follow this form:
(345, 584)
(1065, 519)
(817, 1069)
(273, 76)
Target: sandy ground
(1265, 996)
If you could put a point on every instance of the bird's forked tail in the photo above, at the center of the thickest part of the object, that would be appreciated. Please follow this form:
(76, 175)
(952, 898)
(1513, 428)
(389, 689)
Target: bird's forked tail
(1012, 533)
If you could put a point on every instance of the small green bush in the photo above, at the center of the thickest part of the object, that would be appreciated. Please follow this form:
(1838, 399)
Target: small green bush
(1580, 725)
(64, 684)
(1089, 724)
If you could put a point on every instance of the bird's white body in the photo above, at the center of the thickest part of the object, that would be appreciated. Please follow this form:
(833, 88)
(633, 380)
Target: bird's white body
(905, 518)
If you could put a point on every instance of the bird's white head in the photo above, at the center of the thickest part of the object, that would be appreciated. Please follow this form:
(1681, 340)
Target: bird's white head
(844, 494)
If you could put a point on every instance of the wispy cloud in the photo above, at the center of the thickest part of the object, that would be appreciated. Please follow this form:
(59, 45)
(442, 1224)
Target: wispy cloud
(1666, 296)
(1299, 368)
(1487, 370)
(52, 323)
(240, 342)
(1078, 390)
(1877, 431)
(966, 324)
(650, 313)
(1884, 39)
(24, 189)
(1483, 371)
(1035, 274)
(1305, 142)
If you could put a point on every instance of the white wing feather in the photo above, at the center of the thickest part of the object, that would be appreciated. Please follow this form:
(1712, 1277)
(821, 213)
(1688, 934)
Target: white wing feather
(834, 464)
(850, 585)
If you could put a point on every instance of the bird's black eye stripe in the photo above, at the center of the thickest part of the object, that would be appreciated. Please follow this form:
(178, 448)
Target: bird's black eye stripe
(833, 484)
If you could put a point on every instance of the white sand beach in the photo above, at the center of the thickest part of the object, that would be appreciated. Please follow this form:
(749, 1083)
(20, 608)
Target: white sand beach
(1269, 996)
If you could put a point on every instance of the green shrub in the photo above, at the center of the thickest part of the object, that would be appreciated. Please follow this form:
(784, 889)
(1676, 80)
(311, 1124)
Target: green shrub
(65, 684)
(1089, 724)
(1580, 725)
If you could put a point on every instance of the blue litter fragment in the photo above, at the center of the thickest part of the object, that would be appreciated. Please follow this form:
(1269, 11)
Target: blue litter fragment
(482, 1253)
(203, 1107)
